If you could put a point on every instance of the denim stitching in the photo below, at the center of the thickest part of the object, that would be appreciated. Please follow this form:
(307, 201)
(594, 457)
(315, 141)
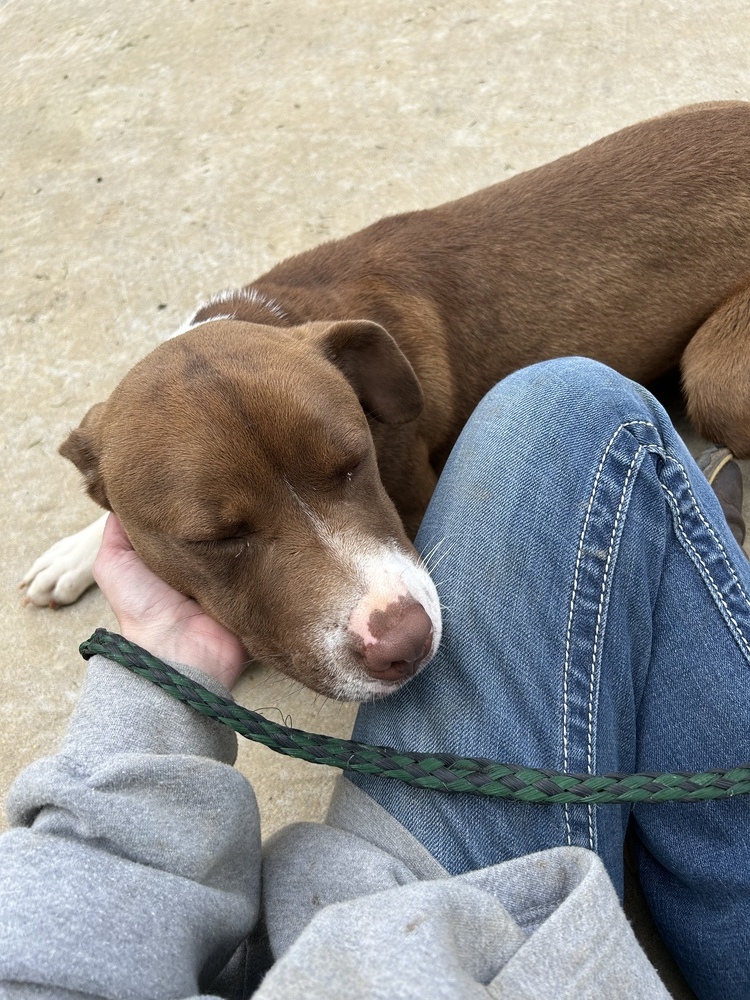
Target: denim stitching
(602, 596)
(717, 593)
(706, 524)
(579, 555)
(677, 518)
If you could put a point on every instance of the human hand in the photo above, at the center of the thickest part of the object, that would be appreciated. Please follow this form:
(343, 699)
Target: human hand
(156, 617)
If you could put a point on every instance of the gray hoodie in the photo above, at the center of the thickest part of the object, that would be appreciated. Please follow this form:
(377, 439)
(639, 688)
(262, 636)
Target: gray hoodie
(134, 869)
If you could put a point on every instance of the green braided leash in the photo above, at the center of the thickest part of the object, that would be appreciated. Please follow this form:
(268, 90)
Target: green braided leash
(443, 772)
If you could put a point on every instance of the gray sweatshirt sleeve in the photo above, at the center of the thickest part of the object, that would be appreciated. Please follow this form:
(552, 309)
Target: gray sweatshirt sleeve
(132, 868)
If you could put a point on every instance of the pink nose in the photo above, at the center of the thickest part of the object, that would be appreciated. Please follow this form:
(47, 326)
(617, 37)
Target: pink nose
(403, 638)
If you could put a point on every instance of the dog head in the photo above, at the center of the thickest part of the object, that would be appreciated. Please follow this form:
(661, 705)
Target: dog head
(240, 461)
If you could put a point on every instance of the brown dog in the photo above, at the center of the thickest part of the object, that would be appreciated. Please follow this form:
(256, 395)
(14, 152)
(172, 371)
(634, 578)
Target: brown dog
(251, 459)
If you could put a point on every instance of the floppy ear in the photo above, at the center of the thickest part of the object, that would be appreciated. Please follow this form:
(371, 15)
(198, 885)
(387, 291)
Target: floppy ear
(81, 447)
(376, 368)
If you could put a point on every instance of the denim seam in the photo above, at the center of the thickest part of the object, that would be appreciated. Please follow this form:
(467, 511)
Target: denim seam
(637, 456)
(579, 557)
(718, 596)
(707, 525)
(651, 447)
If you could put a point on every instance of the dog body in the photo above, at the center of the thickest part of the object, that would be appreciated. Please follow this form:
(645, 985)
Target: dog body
(272, 459)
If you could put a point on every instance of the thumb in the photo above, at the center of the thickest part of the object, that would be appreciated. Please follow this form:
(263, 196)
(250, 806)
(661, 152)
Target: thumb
(115, 538)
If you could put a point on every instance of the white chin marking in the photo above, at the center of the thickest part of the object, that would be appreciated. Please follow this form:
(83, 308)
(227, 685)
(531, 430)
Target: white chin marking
(362, 688)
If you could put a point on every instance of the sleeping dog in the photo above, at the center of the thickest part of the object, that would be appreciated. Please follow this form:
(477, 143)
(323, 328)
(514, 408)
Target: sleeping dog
(274, 459)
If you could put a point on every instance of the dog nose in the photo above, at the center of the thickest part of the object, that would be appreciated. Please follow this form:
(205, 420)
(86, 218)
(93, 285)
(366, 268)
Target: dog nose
(401, 638)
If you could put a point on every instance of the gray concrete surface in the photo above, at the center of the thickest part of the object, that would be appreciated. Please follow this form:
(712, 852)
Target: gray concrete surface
(156, 152)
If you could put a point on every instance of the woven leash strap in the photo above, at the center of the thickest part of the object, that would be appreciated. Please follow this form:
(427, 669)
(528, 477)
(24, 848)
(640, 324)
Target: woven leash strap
(443, 772)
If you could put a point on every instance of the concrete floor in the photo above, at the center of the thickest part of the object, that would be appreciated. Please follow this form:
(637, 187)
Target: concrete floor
(156, 152)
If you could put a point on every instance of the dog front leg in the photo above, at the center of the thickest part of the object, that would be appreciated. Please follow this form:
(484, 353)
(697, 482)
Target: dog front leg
(64, 571)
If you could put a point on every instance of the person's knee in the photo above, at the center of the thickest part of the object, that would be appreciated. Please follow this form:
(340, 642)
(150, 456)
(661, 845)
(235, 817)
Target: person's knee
(551, 389)
(574, 376)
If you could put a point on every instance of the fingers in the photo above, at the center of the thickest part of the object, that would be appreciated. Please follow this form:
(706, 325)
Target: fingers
(114, 550)
(155, 616)
(115, 540)
(117, 560)
(132, 590)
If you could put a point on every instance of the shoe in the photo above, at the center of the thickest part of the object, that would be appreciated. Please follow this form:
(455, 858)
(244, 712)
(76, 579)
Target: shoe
(725, 478)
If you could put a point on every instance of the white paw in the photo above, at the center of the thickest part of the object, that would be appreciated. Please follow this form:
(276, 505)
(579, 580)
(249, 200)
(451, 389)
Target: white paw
(64, 571)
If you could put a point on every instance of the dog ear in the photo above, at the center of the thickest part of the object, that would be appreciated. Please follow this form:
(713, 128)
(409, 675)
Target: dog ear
(81, 447)
(376, 368)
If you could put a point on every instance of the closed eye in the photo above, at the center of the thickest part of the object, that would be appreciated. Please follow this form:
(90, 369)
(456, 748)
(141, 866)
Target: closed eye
(346, 472)
(236, 539)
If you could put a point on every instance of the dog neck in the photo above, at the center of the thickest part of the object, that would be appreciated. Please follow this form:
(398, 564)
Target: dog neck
(248, 304)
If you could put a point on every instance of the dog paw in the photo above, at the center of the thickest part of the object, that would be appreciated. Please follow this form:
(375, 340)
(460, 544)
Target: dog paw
(64, 571)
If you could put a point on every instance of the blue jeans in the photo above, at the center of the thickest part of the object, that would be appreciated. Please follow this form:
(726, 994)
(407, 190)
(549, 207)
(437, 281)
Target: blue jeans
(596, 619)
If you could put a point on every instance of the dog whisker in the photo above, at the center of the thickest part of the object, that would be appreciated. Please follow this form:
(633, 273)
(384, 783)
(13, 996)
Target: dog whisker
(435, 566)
(429, 553)
(429, 559)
